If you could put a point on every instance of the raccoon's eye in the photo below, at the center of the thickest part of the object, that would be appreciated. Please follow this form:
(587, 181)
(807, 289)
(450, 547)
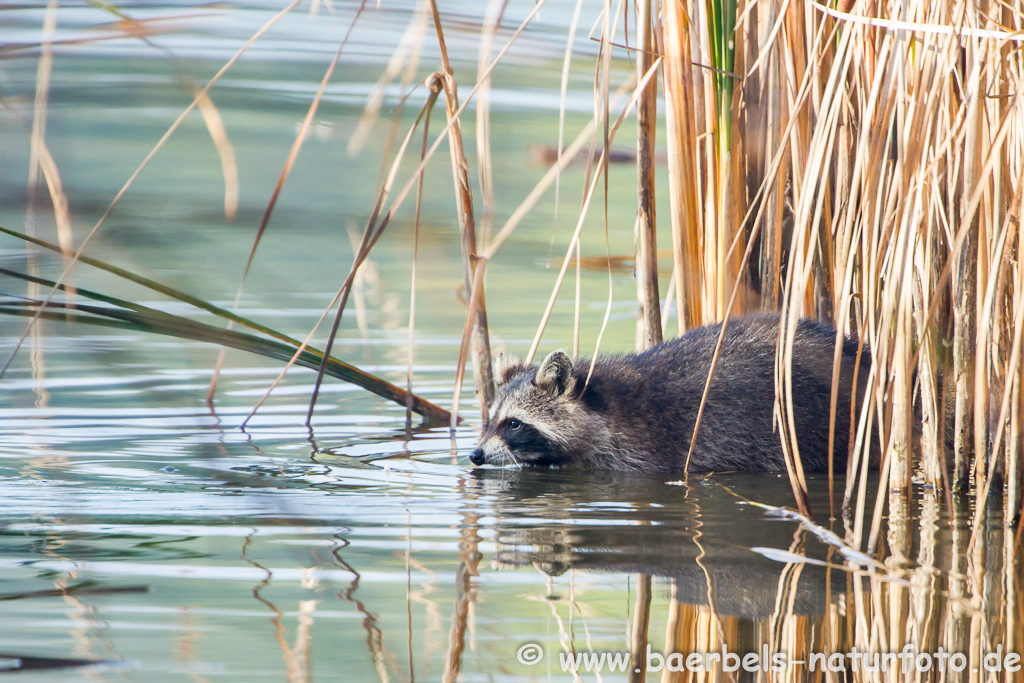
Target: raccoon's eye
(514, 424)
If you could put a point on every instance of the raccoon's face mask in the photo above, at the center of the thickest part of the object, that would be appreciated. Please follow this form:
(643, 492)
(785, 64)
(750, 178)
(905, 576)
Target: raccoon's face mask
(530, 409)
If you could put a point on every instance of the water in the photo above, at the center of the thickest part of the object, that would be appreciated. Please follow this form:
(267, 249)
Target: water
(144, 531)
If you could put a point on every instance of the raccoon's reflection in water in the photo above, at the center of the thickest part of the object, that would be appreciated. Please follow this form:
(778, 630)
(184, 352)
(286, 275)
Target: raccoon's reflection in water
(699, 535)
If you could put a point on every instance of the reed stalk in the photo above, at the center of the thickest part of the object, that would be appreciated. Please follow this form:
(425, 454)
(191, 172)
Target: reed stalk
(412, 273)
(480, 344)
(647, 227)
(683, 150)
(966, 282)
(638, 633)
(469, 561)
(41, 161)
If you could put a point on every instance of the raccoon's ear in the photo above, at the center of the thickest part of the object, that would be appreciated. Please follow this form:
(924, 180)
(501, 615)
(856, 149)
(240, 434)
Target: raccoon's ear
(555, 374)
(507, 367)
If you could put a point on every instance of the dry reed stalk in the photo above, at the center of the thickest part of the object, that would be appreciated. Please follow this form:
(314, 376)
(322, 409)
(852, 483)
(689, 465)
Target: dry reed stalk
(646, 120)
(602, 117)
(673, 631)
(843, 271)
(1015, 449)
(1003, 315)
(927, 339)
(562, 91)
(986, 479)
(784, 418)
(638, 634)
(731, 190)
(646, 266)
(799, 280)
(412, 275)
(359, 286)
(906, 172)
(577, 304)
(476, 302)
(928, 600)
(763, 111)
(1015, 442)
(793, 46)
(712, 288)
(965, 354)
(135, 174)
(683, 150)
(469, 562)
(59, 199)
(480, 346)
(666, 308)
(999, 365)
(1011, 580)
(750, 134)
(901, 402)
(40, 159)
(492, 20)
(226, 151)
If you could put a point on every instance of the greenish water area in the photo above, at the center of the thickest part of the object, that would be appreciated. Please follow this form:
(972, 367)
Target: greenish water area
(144, 530)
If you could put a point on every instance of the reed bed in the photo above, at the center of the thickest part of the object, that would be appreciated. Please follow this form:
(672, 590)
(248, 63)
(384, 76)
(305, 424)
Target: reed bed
(861, 166)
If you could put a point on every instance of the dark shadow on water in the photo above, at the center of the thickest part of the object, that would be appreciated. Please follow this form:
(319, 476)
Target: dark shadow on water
(697, 534)
(11, 663)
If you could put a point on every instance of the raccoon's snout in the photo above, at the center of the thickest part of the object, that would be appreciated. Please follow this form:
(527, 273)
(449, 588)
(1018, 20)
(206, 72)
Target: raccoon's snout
(477, 456)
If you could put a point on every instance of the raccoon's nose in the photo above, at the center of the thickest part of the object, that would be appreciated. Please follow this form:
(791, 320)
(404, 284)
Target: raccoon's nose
(477, 457)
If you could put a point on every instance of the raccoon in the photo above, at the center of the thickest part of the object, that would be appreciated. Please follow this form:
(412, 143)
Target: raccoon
(637, 411)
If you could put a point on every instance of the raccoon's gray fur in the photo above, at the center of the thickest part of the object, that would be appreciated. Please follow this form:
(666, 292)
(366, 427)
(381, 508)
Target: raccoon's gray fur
(638, 410)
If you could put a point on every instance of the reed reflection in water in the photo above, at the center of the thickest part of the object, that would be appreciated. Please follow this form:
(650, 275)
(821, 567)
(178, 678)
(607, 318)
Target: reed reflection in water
(723, 580)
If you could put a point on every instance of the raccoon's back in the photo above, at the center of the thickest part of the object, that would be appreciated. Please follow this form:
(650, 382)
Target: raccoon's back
(650, 400)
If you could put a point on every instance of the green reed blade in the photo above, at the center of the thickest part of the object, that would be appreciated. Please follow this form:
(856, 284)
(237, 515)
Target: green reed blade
(135, 317)
(722, 17)
(157, 287)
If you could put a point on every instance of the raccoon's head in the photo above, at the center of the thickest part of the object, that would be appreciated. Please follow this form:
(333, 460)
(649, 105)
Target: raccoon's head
(532, 419)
